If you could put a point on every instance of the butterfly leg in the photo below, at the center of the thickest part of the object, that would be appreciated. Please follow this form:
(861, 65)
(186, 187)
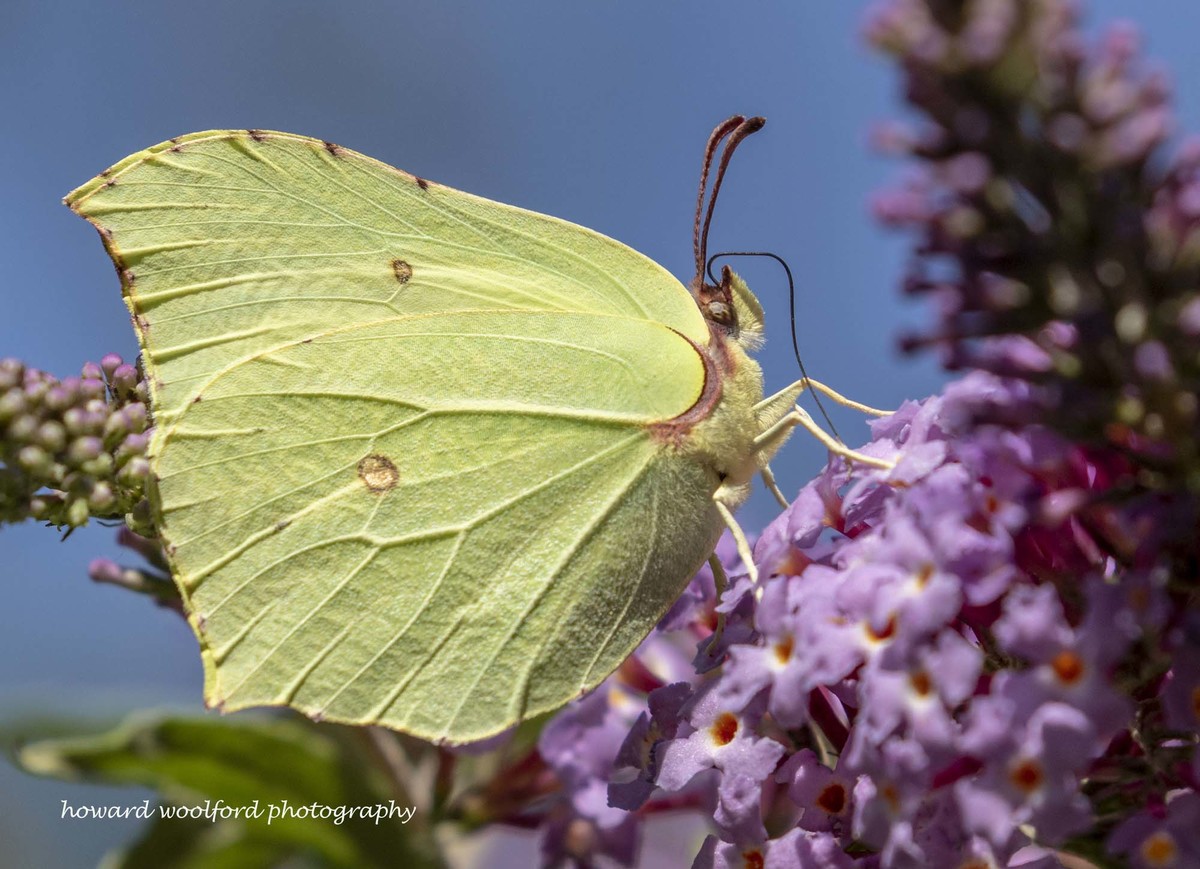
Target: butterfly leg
(847, 402)
(720, 583)
(790, 392)
(720, 578)
(739, 537)
(768, 479)
(799, 417)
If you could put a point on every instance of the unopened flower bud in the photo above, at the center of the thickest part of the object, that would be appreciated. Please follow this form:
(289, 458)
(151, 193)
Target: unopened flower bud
(76, 421)
(95, 390)
(12, 403)
(36, 391)
(35, 460)
(11, 373)
(115, 428)
(123, 381)
(104, 570)
(23, 429)
(110, 362)
(135, 472)
(135, 416)
(83, 449)
(77, 513)
(52, 436)
(101, 498)
(101, 466)
(133, 445)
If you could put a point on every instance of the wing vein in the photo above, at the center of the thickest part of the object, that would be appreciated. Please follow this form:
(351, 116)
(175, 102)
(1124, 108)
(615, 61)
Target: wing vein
(433, 589)
(629, 599)
(342, 583)
(595, 522)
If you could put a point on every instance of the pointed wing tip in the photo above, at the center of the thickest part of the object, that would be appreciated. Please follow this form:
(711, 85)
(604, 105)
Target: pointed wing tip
(75, 199)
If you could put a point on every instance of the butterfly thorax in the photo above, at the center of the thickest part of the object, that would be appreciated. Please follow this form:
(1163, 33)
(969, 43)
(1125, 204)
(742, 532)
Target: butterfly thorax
(726, 437)
(723, 435)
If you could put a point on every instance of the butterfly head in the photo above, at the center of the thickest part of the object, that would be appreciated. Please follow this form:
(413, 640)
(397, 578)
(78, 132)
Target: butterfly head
(716, 302)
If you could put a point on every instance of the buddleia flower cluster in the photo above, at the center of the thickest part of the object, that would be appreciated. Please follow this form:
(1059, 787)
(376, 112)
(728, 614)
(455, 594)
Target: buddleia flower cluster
(75, 448)
(990, 654)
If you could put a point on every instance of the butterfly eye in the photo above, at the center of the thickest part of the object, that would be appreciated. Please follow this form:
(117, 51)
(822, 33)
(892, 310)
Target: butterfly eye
(718, 311)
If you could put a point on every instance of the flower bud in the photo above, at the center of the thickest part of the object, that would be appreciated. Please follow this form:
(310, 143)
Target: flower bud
(110, 362)
(12, 403)
(102, 498)
(123, 381)
(52, 436)
(12, 371)
(104, 570)
(135, 472)
(100, 466)
(135, 417)
(93, 390)
(58, 399)
(35, 460)
(141, 518)
(36, 391)
(1189, 317)
(83, 449)
(23, 429)
(40, 506)
(76, 421)
(77, 513)
(115, 428)
(147, 547)
(133, 445)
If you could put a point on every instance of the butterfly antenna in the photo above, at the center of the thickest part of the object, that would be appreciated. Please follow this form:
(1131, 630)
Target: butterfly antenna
(791, 312)
(723, 129)
(743, 128)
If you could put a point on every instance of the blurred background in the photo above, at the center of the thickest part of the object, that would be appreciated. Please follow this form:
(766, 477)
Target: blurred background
(594, 112)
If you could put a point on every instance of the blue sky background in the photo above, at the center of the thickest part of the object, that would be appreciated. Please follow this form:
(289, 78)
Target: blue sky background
(594, 112)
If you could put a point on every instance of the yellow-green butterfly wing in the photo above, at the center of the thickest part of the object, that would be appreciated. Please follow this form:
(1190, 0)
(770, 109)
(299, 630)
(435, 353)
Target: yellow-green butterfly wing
(414, 453)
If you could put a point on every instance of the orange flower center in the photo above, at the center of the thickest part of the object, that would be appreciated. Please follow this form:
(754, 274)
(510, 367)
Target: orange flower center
(753, 859)
(921, 682)
(885, 633)
(793, 563)
(923, 575)
(580, 839)
(1068, 666)
(724, 729)
(832, 799)
(1027, 776)
(783, 649)
(1159, 849)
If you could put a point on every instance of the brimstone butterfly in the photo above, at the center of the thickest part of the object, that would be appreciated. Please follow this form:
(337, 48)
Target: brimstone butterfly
(421, 459)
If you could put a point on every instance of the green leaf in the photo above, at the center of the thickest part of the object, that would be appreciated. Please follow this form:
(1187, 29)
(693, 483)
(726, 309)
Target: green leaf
(199, 844)
(263, 764)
